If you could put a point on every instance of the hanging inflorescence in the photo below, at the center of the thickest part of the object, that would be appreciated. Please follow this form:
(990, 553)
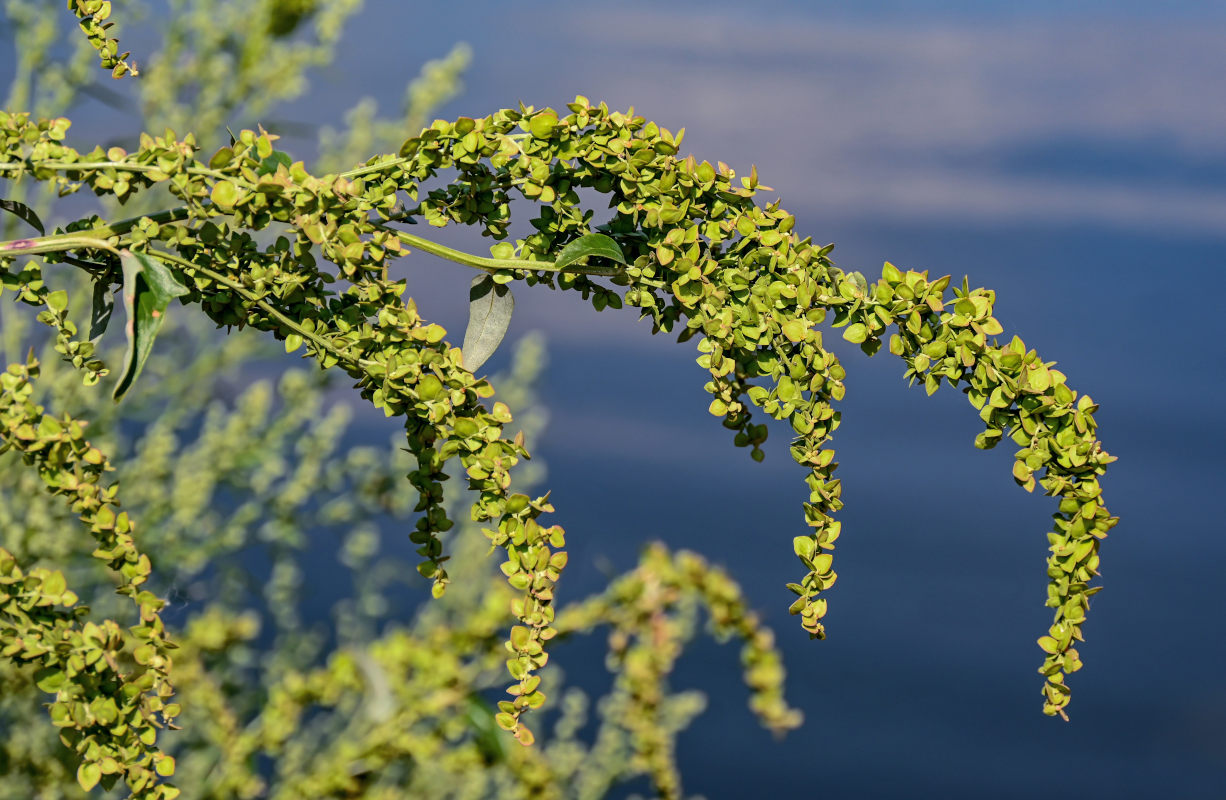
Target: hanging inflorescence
(111, 686)
(92, 15)
(256, 240)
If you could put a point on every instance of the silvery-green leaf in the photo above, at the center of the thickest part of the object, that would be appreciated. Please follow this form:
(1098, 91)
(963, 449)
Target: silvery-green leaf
(489, 313)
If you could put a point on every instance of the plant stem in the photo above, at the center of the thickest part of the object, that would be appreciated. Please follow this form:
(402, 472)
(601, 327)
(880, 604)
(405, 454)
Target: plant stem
(65, 166)
(94, 238)
(126, 166)
(360, 171)
(494, 264)
(55, 244)
(265, 306)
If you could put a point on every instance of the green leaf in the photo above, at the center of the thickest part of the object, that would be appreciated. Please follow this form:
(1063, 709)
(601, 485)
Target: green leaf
(486, 734)
(489, 313)
(224, 195)
(269, 165)
(593, 244)
(543, 124)
(795, 330)
(88, 775)
(223, 156)
(148, 288)
(26, 214)
(429, 388)
(1038, 377)
(50, 679)
(102, 308)
(860, 282)
(856, 333)
(54, 584)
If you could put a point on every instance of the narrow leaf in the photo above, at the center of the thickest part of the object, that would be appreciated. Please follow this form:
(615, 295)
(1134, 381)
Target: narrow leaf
(489, 313)
(148, 288)
(486, 732)
(593, 244)
(25, 212)
(162, 282)
(103, 307)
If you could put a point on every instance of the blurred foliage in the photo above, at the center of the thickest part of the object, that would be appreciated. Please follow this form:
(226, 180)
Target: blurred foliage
(232, 482)
(236, 496)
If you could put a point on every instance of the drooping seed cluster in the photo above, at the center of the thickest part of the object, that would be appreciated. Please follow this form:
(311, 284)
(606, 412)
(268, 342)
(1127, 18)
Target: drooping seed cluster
(705, 260)
(93, 16)
(649, 613)
(400, 362)
(111, 688)
(709, 260)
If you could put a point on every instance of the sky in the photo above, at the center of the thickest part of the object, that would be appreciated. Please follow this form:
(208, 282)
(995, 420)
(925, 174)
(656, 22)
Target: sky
(1071, 156)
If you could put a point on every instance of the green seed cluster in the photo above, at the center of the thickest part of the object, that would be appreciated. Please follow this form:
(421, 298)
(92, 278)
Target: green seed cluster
(93, 15)
(392, 713)
(400, 362)
(704, 259)
(31, 289)
(441, 735)
(649, 612)
(111, 688)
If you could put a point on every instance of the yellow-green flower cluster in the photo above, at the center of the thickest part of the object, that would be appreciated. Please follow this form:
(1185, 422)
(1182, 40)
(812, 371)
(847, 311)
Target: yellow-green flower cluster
(111, 688)
(703, 259)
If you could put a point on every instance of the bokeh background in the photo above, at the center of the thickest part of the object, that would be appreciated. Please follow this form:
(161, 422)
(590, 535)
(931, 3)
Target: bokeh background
(1071, 156)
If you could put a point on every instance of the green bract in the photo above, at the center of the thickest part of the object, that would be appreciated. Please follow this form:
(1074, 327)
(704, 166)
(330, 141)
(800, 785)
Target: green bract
(93, 15)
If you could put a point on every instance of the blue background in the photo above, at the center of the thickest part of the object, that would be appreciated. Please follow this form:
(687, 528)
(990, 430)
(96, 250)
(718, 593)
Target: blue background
(1070, 156)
